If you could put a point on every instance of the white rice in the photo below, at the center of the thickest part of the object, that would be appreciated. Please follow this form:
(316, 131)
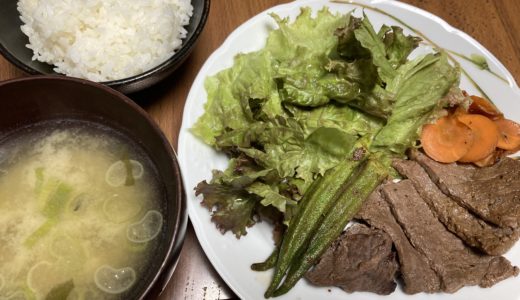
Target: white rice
(104, 40)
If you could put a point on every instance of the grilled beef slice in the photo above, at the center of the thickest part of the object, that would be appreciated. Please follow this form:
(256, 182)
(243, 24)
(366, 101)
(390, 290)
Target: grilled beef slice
(493, 192)
(471, 229)
(416, 272)
(456, 264)
(361, 259)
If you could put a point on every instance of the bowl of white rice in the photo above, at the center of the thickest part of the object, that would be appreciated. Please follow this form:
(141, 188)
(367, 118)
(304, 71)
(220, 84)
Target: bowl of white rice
(128, 45)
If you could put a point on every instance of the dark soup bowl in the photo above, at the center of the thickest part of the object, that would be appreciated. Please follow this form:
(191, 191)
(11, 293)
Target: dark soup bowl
(13, 47)
(33, 102)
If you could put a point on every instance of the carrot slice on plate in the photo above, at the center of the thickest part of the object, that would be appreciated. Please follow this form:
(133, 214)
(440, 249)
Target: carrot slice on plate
(509, 138)
(484, 107)
(490, 159)
(447, 140)
(485, 137)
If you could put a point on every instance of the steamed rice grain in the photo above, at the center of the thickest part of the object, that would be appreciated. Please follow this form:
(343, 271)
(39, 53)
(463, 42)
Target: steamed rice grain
(103, 40)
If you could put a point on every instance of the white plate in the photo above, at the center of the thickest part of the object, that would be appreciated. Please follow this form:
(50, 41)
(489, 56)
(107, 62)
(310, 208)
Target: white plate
(231, 257)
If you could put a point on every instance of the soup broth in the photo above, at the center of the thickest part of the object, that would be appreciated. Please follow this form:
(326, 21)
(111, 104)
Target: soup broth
(79, 213)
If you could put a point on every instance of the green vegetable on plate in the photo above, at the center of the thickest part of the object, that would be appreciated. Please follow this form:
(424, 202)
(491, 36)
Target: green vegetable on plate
(311, 123)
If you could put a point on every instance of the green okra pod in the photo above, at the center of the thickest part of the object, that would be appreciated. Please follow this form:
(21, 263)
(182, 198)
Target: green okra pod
(314, 205)
(269, 263)
(348, 202)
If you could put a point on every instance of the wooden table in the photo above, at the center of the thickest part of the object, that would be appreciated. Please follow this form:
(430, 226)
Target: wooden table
(494, 23)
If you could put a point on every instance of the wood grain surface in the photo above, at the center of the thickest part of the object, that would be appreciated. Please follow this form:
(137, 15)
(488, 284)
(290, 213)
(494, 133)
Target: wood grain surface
(494, 23)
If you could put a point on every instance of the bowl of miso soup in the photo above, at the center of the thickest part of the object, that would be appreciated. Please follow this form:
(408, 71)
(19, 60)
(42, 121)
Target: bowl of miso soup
(91, 200)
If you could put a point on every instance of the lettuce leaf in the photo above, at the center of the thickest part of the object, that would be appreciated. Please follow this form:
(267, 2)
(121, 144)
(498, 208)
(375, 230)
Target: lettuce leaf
(248, 91)
(232, 94)
(419, 86)
(235, 196)
(288, 113)
(398, 46)
(231, 205)
(270, 195)
(286, 149)
(302, 49)
(382, 54)
(349, 47)
(273, 156)
(305, 81)
(313, 33)
(388, 49)
(339, 116)
(232, 209)
(369, 39)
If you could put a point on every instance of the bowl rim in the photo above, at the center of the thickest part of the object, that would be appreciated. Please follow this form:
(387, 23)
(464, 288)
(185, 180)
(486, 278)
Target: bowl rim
(177, 57)
(171, 257)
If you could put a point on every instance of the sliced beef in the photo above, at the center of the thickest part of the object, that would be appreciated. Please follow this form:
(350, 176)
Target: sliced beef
(416, 272)
(361, 259)
(493, 192)
(471, 229)
(456, 264)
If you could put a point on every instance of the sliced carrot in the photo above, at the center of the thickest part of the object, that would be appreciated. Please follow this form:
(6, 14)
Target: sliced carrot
(509, 138)
(485, 137)
(447, 140)
(491, 159)
(484, 107)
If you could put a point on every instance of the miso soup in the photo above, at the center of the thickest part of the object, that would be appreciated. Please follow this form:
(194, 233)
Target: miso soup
(80, 213)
